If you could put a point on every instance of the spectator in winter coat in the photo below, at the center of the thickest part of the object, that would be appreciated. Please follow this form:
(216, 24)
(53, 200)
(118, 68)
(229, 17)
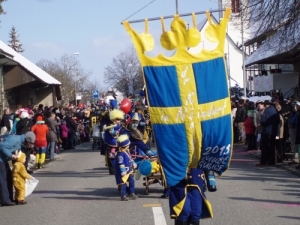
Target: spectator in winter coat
(235, 129)
(260, 107)
(5, 175)
(240, 118)
(52, 121)
(23, 126)
(250, 130)
(297, 142)
(87, 131)
(5, 123)
(64, 134)
(8, 145)
(16, 120)
(72, 130)
(279, 136)
(25, 123)
(269, 120)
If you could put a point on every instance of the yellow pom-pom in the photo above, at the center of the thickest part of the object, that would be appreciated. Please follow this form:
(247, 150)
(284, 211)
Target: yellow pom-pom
(116, 114)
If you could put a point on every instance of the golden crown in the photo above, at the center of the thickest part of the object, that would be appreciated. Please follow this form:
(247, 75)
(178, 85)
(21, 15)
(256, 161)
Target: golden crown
(180, 38)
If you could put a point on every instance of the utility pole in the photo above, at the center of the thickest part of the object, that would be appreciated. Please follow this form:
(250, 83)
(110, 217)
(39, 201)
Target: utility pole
(2, 90)
(243, 52)
(75, 102)
(176, 6)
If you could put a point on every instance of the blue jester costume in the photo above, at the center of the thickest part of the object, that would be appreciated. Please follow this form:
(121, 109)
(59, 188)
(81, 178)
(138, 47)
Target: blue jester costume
(124, 168)
(189, 105)
(137, 139)
(111, 133)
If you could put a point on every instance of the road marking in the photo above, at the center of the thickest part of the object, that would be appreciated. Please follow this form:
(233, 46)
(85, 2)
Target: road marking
(159, 218)
(151, 205)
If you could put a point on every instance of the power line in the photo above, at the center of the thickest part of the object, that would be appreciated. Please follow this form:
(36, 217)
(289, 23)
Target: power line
(139, 10)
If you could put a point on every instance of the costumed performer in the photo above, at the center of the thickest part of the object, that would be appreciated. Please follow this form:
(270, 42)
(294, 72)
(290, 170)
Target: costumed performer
(111, 133)
(137, 138)
(125, 169)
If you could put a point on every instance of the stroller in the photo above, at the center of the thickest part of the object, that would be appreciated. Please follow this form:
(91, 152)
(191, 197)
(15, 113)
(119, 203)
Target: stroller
(96, 135)
(148, 166)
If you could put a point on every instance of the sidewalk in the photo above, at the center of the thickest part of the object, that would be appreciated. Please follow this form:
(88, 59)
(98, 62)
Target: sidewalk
(256, 154)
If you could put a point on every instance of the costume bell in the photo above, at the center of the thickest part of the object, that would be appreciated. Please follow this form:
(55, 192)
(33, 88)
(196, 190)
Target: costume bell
(125, 168)
(111, 133)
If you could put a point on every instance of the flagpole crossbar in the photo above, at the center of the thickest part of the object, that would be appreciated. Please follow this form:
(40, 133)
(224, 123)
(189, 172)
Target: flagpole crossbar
(172, 16)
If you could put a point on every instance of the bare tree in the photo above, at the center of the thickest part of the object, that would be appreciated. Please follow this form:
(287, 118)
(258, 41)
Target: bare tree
(267, 17)
(14, 41)
(124, 73)
(69, 72)
(87, 92)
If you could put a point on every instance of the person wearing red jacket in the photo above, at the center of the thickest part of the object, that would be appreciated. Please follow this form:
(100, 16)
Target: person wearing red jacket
(40, 129)
(250, 130)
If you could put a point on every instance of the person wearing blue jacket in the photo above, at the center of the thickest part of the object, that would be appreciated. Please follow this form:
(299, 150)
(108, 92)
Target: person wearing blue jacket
(8, 145)
(269, 120)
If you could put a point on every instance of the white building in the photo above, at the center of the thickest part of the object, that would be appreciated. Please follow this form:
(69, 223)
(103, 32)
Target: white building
(233, 54)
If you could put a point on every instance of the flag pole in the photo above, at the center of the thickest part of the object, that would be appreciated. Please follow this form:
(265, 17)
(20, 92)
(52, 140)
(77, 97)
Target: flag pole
(172, 16)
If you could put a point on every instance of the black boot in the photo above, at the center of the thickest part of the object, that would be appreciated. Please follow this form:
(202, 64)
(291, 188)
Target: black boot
(194, 223)
(111, 170)
(177, 222)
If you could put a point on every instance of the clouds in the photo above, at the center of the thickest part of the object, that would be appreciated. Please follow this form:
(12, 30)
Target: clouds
(110, 46)
(48, 48)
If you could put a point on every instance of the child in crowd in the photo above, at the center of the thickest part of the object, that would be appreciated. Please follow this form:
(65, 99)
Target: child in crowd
(250, 131)
(19, 174)
(40, 129)
(64, 130)
(124, 168)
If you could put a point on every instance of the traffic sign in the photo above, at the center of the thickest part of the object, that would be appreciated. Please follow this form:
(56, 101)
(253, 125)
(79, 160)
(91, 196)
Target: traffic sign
(95, 94)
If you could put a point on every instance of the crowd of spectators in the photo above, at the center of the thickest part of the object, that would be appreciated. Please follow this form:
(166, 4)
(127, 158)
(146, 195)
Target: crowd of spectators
(56, 128)
(271, 126)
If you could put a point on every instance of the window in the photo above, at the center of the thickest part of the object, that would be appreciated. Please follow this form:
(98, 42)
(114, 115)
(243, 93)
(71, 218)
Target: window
(235, 5)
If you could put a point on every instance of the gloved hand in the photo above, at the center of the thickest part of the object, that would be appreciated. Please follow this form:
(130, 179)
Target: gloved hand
(134, 165)
(123, 170)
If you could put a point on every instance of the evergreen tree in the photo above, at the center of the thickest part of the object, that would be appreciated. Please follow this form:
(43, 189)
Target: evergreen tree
(1, 8)
(14, 41)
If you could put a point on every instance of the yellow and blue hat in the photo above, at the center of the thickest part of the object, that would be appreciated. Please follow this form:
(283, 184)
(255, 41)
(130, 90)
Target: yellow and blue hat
(116, 114)
(123, 140)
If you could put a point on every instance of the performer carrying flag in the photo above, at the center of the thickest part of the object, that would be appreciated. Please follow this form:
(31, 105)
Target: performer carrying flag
(184, 110)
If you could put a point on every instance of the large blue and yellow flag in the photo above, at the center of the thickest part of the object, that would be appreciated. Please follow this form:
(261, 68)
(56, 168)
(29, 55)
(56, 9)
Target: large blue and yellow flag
(188, 98)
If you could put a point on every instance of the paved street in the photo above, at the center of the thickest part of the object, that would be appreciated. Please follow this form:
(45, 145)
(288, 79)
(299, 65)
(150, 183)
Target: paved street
(76, 189)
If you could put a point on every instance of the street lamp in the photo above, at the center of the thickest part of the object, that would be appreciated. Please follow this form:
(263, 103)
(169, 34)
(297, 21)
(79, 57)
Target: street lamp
(75, 102)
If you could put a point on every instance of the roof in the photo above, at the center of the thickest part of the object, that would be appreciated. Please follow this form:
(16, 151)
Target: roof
(28, 65)
(272, 47)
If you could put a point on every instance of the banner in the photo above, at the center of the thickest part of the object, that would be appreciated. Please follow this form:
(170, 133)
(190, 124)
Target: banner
(188, 98)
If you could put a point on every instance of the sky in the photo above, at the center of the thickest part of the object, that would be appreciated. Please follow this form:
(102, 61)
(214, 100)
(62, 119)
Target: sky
(49, 29)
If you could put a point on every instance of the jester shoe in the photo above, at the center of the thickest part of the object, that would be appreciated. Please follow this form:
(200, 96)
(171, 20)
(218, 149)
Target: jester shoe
(124, 198)
(132, 196)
